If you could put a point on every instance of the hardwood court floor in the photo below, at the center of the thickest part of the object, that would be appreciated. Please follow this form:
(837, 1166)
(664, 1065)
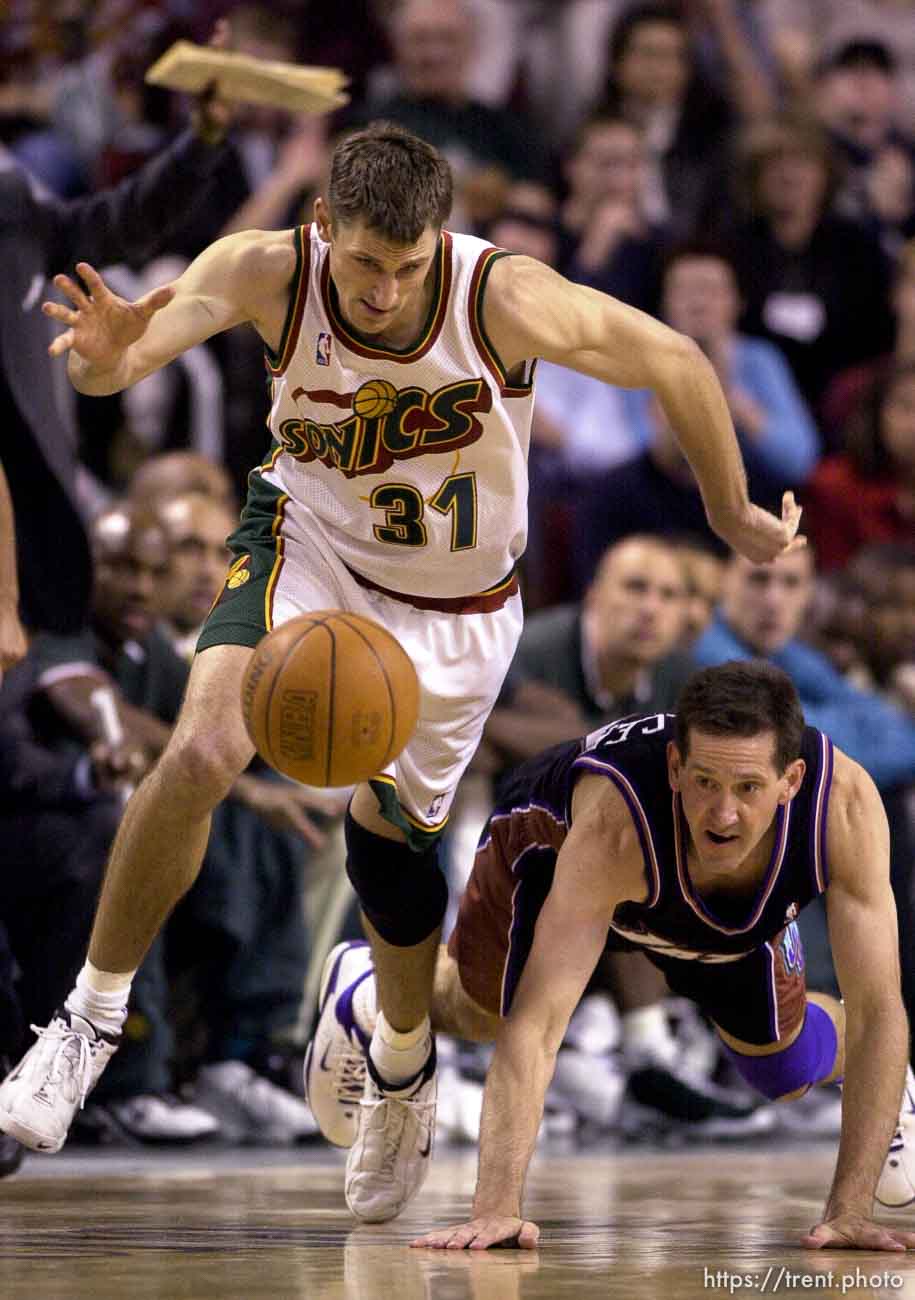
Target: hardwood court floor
(251, 1225)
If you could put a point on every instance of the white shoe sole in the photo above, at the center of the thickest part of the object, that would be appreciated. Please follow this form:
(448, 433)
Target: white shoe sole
(29, 1137)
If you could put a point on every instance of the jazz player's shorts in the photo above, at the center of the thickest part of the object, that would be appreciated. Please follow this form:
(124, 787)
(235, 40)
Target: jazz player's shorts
(757, 998)
(461, 648)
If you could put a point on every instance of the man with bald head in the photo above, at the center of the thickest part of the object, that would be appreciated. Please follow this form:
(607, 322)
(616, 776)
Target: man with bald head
(616, 651)
(761, 615)
(434, 46)
(161, 478)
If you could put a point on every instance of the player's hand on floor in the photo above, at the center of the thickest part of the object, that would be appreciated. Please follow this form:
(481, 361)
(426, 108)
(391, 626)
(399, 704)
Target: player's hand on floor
(493, 1231)
(761, 536)
(101, 324)
(857, 1232)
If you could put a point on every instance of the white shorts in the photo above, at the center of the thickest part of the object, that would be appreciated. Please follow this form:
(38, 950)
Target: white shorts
(460, 658)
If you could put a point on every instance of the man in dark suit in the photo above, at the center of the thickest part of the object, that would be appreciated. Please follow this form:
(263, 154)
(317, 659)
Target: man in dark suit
(40, 234)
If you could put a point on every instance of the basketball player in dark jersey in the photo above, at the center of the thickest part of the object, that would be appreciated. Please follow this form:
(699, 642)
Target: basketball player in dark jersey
(696, 838)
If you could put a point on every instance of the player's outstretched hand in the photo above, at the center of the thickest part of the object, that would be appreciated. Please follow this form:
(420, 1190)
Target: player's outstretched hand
(856, 1232)
(100, 324)
(761, 536)
(494, 1231)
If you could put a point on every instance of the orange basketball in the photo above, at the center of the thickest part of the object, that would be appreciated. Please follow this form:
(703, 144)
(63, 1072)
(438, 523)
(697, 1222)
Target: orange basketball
(330, 698)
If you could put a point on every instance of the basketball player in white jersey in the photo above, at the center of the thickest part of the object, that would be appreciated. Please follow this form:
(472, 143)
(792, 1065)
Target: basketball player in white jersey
(401, 360)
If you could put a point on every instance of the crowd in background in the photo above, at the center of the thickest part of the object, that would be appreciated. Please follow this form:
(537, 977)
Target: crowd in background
(743, 169)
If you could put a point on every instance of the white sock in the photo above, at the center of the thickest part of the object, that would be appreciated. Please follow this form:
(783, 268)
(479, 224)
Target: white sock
(101, 997)
(398, 1057)
(646, 1031)
(365, 1005)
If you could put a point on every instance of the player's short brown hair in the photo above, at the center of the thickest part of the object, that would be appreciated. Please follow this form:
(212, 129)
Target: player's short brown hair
(742, 698)
(392, 180)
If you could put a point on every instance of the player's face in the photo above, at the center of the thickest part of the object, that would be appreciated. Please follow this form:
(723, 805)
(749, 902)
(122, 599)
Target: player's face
(379, 284)
(730, 790)
(198, 559)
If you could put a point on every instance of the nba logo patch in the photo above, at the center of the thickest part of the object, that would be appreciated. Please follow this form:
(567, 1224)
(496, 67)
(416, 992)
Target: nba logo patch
(322, 350)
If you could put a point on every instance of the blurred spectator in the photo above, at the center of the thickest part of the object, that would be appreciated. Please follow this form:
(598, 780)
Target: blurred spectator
(762, 612)
(196, 527)
(654, 491)
(161, 478)
(614, 652)
(579, 424)
(433, 42)
(733, 47)
(857, 99)
(240, 930)
(814, 283)
(655, 82)
(703, 570)
(778, 439)
(556, 49)
(850, 387)
(803, 32)
(607, 241)
(58, 824)
(837, 626)
(885, 576)
(40, 234)
(867, 493)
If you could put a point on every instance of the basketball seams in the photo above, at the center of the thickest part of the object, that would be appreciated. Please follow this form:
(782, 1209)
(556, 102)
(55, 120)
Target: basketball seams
(345, 619)
(331, 693)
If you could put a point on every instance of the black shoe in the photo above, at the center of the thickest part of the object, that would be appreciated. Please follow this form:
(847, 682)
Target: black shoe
(661, 1096)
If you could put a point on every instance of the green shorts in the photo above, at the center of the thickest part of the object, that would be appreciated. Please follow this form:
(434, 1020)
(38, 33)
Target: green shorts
(243, 611)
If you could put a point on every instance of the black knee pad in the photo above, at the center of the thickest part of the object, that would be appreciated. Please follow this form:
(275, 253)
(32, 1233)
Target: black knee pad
(404, 894)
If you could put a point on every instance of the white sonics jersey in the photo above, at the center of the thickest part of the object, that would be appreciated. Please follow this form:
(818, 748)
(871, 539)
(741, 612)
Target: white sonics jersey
(413, 462)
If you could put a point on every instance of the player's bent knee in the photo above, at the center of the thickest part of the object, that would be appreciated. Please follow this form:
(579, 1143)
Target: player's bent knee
(784, 1075)
(202, 763)
(403, 893)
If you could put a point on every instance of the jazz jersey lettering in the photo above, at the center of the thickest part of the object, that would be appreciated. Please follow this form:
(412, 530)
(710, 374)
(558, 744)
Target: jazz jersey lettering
(413, 462)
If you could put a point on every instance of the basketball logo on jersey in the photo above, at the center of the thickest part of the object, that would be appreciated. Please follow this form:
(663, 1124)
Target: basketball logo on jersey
(322, 349)
(387, 424)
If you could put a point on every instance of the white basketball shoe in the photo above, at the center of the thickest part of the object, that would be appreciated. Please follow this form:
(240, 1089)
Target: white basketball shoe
(389, 1160)
(896, 1186)
(40, 1097)
(335, 1059)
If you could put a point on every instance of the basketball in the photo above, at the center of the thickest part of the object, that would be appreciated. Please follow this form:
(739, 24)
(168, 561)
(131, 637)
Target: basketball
(374, 399)
(329, 698)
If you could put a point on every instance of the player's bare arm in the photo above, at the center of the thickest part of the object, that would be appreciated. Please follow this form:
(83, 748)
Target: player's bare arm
(599, 865)
(531, 311)
(863, 936)
(113, 343)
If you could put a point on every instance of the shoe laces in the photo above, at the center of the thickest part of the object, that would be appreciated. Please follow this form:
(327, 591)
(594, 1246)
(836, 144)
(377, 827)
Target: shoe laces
(71, 1059)
(349, 1076)
(394, 1117)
